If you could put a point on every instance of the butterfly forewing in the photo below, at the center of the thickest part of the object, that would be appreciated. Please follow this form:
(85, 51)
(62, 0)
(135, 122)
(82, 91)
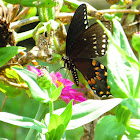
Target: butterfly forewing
(78, 25)
(92, 43)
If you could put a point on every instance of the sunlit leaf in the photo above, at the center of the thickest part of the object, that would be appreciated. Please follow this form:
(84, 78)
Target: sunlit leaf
(87, 111)
(6, 53)
(56, 93)
(109, 128)
(58, 124)
(122, 66)
(23, 122)
(30, 79)
(134, 129)
(33, 3)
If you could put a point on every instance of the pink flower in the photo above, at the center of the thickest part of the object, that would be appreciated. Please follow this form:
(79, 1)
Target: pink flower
(35, 70)
(67, 93)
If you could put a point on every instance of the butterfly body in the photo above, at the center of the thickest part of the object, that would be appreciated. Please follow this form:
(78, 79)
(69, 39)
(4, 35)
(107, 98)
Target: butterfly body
(83, 44)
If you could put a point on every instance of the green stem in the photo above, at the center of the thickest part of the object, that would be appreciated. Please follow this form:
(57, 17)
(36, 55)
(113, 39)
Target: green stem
(51, 108)
(27, 34)
(46, 14)
(40, 111)
(137, 90)
(50, 13)
(139, 56)
(42, 14)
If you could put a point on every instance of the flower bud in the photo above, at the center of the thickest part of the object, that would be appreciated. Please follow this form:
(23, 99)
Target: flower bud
(44, 81)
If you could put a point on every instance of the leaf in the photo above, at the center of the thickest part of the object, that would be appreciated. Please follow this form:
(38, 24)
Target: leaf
(123, 67)
(56, 57)
(123, 114)
(10, 91)
(58, 124)
(55, 128)
(30, 13)
(132, 105)
(56, 93)
(108, 128)
(6, 53)
(30, 79)
(67, 114)
(87, 111)
(33, 3)
(23, 122)
(12, 78)
(134, 129)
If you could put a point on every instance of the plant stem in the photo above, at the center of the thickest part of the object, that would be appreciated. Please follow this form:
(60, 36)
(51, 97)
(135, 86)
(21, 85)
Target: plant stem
(3, 103)
(27, 34)
(137, 90)
(51, 108)
(40, 111)
(50, 13)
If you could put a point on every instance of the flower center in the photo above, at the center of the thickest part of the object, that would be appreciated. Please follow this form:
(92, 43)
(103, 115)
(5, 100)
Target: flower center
(59, 83)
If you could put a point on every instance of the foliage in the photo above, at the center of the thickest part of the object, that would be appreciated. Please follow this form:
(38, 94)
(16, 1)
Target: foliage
(46, 88)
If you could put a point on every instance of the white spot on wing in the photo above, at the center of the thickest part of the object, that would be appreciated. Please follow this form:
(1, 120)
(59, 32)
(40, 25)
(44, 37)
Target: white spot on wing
(85, 13)
(85, 22)
(104, 36)
(104, 46)
(86, 26)
(95, 42)
(104, 40)
(102, 50)
(85, 17)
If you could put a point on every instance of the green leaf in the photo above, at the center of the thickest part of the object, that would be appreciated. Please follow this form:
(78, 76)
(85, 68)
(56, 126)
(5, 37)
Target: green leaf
(87, 111)
(58, 124)
(134, 129)
(65, 8)
(9, 90)
(33, 3)
(56, 93)
(55, 128)
(59, 132)
(6, 53)
(23, 122)
(30, 79)
(12, 79)
(108, 128)
(10, 73)
(56, 57)
(123, 67)
(30, 13)
(67, 114)
(123, 114)
(132, 105)
(55, 121)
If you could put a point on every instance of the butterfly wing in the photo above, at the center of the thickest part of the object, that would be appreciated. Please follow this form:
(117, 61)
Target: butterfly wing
(78, 25)
(96, 75)
(84, 43)
(90, 44)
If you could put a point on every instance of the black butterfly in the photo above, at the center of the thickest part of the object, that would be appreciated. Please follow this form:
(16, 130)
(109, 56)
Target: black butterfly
(83, 43)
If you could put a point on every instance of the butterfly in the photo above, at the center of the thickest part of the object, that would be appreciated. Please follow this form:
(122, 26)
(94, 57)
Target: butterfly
(83, 44)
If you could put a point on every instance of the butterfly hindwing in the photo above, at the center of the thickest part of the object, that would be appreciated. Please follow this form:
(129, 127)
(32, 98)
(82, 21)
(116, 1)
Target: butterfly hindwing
(96, 75)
